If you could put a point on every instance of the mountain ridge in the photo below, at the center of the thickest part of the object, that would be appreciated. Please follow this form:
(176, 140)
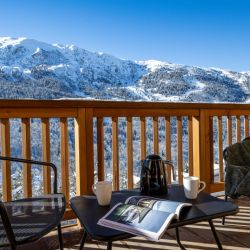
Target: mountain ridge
(34, 69)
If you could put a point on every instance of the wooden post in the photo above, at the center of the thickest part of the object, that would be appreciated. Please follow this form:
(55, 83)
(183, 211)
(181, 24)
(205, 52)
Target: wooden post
(27, 180)
(190, 146)
(220, 149)
(64, 156)
(46, 155)
(115, 153)
(143, 137)
(246, 126)
(100, 149)
(168, 143)
(238, 128)
(179, 149)
(196, 145)
(130, 152)
(89, 149)
(6, 166)
(84, 151)
(229, 130)
(156, 135)
(203, 147)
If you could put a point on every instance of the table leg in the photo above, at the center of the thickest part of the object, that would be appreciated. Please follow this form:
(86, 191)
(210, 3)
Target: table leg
(83, 239)
(178, 238)
(215, 235)
(223, 218)
(109, 246)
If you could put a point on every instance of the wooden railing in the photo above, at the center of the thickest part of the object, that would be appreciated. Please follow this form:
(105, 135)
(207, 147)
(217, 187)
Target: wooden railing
(191, 134)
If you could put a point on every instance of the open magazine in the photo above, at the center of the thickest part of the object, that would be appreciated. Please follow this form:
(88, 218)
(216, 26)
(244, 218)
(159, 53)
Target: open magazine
(143, 215)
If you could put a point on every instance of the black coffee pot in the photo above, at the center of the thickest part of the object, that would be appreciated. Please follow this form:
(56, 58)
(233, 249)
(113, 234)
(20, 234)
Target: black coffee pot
(153, 175)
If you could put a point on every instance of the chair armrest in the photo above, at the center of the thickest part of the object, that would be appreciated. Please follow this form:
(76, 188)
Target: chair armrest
(39, 163)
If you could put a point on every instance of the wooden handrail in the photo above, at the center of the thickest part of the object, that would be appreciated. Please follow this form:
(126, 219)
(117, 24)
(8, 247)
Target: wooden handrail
(34, 104)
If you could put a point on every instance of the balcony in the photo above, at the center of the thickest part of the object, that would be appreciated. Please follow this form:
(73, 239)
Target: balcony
(96, 140)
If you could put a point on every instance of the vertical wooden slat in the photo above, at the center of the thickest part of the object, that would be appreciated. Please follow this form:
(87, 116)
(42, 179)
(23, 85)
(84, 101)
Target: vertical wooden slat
(168, 144)
(6, 166)
(220, 148)
(238, 132)
(211, 154)
(246, 126)
(196, 146)
(64, 156)
(115, 153)
(179, 149)
(130, 152)
(229, 130)
(100, 149)
(156, 135)
(190, 145)
(89, 148)
(143, 137)
(46, 155)
(27, 180)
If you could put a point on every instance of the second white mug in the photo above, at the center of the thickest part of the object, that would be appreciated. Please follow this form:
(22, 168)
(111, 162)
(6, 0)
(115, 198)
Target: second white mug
(192, 186)
(103, 192)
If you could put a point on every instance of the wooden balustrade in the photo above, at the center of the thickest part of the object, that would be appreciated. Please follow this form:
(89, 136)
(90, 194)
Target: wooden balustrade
(192, 139)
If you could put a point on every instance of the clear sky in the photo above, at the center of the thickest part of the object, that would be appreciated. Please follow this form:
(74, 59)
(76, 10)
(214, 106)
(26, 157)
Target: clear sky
(207, 33)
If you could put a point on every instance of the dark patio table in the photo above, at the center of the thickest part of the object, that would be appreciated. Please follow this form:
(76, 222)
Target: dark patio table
(205, 208)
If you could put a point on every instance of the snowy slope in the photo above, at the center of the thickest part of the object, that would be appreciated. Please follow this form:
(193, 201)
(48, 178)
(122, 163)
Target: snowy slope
(39, 70)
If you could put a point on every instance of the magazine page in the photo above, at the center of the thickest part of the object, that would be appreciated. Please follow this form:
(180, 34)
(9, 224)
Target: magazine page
(158, 204)
(137, 220)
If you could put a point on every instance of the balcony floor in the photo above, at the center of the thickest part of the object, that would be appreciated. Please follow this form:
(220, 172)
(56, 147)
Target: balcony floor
(234, 235)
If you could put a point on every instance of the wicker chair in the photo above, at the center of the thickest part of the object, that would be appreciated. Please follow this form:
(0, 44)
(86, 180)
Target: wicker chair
(27, 220)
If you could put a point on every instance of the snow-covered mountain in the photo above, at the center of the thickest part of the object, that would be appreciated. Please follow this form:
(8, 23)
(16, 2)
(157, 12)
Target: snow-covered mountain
(33, 69)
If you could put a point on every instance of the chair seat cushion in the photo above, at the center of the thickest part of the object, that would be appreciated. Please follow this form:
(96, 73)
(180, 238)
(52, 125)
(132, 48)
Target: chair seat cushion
(32, 218)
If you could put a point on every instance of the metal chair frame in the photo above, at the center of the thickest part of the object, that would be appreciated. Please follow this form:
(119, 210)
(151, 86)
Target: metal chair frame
(13, 243)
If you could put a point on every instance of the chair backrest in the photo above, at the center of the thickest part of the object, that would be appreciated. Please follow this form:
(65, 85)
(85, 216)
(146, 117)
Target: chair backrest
(38, 163)
(238, 153)
(7, 225)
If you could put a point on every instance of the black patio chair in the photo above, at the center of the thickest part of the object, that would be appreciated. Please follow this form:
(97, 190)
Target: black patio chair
(27, 220)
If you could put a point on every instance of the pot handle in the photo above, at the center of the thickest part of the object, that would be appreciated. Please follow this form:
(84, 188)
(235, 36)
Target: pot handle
(170, 163)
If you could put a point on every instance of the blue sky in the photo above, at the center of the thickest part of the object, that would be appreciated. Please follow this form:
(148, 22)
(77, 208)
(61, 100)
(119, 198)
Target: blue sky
(207, 33)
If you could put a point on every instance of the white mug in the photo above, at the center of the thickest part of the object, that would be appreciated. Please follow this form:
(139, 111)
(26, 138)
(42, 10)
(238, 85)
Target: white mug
(103, 192)
(192, 186)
